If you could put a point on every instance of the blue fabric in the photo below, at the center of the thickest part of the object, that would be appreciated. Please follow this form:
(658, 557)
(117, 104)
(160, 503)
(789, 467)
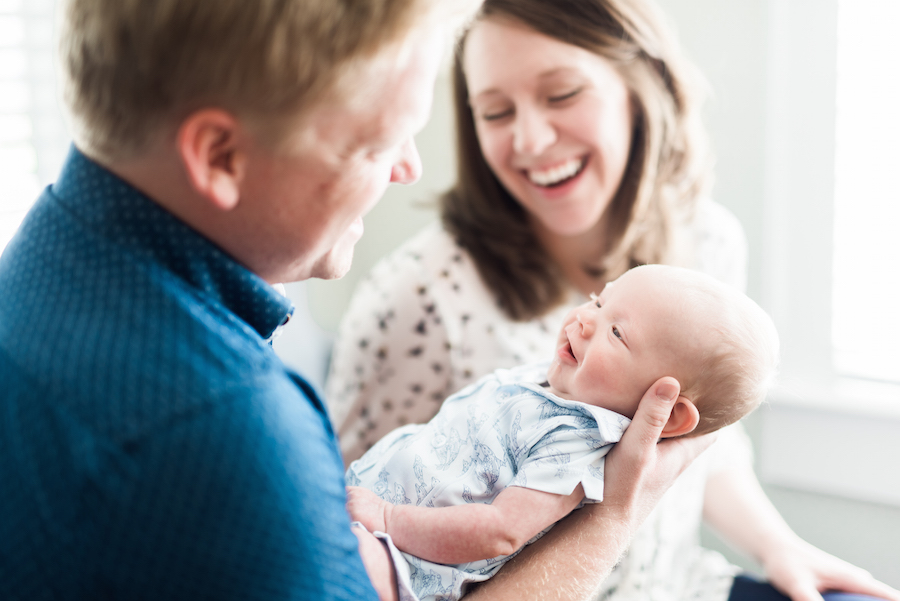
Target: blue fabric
(152, 445)
(749, 588)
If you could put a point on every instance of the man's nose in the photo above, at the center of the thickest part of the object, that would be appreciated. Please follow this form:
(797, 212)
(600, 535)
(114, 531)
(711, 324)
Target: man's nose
(533, 133)
(408, 168)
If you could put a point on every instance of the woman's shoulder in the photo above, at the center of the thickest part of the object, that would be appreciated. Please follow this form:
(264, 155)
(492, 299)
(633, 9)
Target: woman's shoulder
(720, 244)
(715, 220)
(431, 242)
(433, 270)
(426, 254)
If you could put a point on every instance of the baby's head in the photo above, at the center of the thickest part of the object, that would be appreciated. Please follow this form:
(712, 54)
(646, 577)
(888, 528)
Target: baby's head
(657, 321)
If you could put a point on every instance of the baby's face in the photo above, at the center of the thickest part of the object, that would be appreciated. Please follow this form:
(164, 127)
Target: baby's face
(612, 349)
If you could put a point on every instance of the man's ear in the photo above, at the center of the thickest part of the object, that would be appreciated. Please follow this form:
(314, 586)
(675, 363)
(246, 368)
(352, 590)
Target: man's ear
(683, 419)
(208, 143)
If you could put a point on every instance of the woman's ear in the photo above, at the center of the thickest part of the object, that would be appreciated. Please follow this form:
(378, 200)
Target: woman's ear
(208, 143)
(683, 419)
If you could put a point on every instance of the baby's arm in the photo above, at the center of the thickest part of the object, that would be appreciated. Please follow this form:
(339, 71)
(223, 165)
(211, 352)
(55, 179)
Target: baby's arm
(463, 533)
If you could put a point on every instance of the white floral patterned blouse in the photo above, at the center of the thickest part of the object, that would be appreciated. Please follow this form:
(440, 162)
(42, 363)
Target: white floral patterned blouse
(422, 325)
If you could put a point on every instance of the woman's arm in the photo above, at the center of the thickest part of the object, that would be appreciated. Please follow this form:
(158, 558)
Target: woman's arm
(737, 507)
(574, 558)
(463, 533)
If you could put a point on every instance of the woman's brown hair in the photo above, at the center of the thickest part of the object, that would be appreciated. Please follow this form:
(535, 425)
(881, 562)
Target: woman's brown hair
(668, 168)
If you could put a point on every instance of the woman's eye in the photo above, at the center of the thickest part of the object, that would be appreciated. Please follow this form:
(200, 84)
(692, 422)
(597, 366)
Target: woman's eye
(566, 96)
(495, 116)
(616, 333)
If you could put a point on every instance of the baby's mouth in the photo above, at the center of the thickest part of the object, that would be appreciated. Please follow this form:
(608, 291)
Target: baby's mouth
(565, 352)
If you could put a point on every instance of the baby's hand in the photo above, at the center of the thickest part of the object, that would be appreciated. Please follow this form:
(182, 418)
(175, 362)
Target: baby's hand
(365, 506)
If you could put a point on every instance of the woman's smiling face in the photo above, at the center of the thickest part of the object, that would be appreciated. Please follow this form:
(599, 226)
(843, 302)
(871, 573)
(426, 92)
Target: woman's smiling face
(554, 122)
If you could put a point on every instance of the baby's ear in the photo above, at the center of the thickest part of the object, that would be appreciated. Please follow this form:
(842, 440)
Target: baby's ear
(683, 419)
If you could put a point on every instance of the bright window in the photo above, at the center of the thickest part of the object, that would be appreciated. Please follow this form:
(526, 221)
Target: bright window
(831, 252)
(33, 139)
(866, 284)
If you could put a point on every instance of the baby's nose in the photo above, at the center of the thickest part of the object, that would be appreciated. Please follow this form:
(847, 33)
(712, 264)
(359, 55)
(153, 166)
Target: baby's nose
(587, 324)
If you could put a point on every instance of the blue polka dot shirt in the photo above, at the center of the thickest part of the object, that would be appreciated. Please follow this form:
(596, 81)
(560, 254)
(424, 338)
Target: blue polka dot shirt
(152, 445)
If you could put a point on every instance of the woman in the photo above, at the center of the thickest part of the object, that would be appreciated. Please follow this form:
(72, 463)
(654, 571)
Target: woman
(581, 154)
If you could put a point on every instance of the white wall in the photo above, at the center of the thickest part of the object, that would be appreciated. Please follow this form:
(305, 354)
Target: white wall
(736, 44)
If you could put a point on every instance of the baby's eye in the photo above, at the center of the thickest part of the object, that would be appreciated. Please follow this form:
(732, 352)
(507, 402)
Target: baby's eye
(596, 299)
(616, 333)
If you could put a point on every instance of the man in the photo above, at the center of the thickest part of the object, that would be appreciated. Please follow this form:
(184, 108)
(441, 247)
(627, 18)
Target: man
(151, 443)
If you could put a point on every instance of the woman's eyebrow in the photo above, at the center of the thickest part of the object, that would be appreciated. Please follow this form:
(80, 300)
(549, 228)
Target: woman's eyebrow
(558, 71)
(547, 74)
(485, 94)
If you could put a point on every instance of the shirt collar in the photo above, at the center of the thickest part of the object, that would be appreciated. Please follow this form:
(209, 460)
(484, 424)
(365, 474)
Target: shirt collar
(114, 209)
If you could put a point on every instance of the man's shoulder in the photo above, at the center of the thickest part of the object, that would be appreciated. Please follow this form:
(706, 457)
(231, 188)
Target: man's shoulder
(120, 344)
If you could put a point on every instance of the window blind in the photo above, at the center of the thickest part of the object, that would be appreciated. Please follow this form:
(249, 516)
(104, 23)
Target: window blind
(33, 138)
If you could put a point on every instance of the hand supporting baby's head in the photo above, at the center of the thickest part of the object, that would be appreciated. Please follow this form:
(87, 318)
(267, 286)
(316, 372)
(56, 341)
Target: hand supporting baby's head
(657, 321)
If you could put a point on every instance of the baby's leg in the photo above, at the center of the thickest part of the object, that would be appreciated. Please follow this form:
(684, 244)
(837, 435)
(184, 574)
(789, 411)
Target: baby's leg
(378, 564)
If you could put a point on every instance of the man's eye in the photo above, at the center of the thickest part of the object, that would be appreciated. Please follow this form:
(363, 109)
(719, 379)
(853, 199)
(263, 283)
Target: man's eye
(616, 333)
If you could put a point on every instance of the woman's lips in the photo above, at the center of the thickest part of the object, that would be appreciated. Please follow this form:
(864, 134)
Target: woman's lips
(561, 188)
(556, 174)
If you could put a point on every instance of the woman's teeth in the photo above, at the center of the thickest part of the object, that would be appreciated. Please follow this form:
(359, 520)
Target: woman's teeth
(555, 175)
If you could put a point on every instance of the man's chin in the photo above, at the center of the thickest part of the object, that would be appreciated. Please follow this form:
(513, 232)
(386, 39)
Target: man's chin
(334, 265)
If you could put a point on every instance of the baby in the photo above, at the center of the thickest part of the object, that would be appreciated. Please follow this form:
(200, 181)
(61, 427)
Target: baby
(508, 456)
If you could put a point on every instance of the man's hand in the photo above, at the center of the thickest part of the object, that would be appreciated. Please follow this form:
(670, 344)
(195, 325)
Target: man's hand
(640, 469)
(365, 506)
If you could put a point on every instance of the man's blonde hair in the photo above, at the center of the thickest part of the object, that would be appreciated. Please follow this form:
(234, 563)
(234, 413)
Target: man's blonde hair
(135, 68)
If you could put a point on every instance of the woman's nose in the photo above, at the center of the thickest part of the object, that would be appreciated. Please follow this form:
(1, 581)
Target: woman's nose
(533, 132)
(408, 167)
